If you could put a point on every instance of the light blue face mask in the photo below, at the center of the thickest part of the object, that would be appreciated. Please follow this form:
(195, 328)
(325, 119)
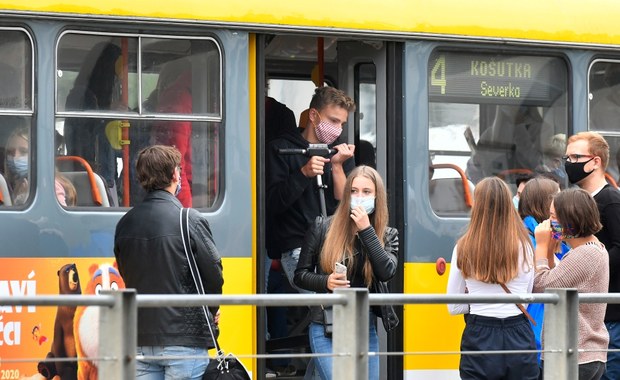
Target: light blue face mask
(515, 201)
(368, 203)
(18, 166)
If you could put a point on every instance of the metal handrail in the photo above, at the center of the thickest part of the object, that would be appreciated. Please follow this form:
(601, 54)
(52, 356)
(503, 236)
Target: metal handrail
(119, 321)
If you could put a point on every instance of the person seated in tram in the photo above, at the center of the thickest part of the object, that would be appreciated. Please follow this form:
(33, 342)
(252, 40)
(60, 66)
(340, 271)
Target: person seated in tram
(16, 165)
(17, 170)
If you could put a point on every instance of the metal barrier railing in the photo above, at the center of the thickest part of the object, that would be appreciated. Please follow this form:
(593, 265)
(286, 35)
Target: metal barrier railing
(118, 322)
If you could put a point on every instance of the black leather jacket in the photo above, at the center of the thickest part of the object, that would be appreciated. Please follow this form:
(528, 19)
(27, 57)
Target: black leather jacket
(150, 255)
(309, 274)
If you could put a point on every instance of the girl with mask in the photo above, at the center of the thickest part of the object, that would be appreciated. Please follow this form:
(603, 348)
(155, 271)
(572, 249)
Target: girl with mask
(17, 171)
(356, 236)
(494, 256)
(16, 166)
(534, 208)
(574, 218)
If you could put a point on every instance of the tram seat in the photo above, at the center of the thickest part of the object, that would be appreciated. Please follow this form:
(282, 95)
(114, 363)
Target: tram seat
(89, 186)
(83, 187)
(451, 196)
(611, 180)
(5, 196)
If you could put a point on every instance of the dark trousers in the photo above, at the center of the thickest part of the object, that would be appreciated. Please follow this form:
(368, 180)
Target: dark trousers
(587, 371)
(493, 334)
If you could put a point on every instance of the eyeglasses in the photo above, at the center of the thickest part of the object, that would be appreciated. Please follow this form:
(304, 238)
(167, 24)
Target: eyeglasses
(575, 157)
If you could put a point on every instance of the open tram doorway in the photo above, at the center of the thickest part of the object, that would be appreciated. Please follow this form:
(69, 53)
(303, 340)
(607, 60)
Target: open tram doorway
(289, 68)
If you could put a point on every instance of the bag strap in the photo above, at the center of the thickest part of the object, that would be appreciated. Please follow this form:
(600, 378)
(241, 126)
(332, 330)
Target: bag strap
(193, 268)
(523, 310)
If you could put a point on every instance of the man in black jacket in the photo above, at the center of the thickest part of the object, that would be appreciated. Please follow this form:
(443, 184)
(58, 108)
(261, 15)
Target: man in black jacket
(587, 156)
(292, 191)
(149, 249)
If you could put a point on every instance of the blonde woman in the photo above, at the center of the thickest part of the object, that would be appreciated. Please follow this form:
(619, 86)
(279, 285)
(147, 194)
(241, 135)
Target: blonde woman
(494, 251)
(358, 237)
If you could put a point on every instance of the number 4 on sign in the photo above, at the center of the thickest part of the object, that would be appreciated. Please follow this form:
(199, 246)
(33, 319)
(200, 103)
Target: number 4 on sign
(438, 74)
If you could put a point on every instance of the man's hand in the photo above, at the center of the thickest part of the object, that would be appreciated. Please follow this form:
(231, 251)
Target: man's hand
(345, 151)
(314, 166)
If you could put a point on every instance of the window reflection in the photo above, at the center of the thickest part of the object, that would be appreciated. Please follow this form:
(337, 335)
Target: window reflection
(178, 104)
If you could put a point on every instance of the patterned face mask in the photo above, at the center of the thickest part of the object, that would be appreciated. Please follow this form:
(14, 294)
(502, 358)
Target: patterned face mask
(327, 132)
(558, 232)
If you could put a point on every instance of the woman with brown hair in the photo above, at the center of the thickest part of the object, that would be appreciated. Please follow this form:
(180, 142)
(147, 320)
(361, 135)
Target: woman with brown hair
(357, 237)
(495, 252)
(574, 218)
(534, 208)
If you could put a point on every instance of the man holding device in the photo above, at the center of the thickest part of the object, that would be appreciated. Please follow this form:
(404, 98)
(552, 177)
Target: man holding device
(293, 196)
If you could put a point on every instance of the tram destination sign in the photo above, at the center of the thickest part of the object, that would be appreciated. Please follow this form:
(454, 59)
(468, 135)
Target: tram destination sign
(495, 78)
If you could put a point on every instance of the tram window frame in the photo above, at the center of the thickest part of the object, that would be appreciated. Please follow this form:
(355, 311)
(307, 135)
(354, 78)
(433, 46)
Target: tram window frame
(20, 115)
(198, 52)
(601, 81)
(547, 77)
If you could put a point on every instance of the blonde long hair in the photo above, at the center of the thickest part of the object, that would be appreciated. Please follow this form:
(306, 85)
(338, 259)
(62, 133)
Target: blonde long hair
(341, 234)
(495, 237)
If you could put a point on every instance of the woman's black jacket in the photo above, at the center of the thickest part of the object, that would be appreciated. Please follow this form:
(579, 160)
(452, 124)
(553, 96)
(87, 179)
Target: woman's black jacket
(310, 276)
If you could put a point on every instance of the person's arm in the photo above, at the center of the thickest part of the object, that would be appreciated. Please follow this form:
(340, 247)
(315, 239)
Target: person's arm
(574, 270)
(339, 175)
(383, 259)
(544, 254)
(306, 276)
(456, 285)
(285, 181)
(207, 257)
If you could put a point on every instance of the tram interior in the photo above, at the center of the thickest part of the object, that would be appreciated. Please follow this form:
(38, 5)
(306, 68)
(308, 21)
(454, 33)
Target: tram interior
(291, 75)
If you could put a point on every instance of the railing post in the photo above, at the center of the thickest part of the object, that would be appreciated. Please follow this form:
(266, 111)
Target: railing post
(351, 335)
(560, 334)
(118, 336)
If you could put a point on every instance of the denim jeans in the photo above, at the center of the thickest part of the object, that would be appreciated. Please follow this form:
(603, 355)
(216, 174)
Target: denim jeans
(323, 345)
(613, 358)
(168, 367)
(289, 261)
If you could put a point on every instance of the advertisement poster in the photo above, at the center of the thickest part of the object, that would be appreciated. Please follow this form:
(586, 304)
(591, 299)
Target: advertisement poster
(29, 334)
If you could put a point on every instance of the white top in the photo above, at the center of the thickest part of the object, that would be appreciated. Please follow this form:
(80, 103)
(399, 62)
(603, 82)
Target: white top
(522, 284)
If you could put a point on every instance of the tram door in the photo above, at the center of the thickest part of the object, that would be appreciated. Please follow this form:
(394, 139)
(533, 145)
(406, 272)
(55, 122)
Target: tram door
(363, 74)
(356, 67)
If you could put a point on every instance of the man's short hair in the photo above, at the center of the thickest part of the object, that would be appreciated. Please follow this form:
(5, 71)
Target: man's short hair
(523, 177)
(329, 96)
(156, 165)
(596, 143)
(577, 212)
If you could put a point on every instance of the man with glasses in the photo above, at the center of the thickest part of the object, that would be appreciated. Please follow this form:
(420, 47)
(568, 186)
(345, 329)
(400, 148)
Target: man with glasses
(586, 159)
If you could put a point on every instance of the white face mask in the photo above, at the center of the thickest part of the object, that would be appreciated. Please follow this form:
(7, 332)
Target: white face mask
(368, 203)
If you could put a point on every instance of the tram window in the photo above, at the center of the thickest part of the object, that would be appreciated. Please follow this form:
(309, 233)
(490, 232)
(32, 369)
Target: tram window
(294, 93)
(366, 128)
(161, 90)
(604, 96)
(16, 86)
(494, 115)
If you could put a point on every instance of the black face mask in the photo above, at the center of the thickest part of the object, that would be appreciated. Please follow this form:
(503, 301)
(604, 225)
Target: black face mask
(575, 171)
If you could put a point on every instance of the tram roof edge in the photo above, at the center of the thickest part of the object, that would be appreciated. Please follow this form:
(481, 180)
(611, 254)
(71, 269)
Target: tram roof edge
(567, 21)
